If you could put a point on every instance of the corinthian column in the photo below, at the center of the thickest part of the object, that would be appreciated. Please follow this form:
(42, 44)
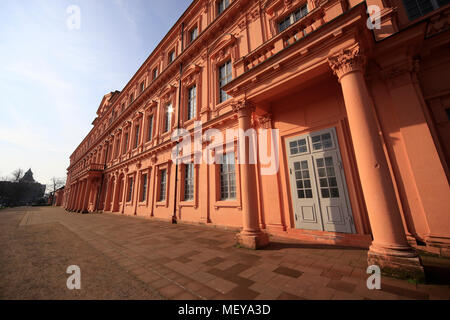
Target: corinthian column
(251, 235)
(389, 249)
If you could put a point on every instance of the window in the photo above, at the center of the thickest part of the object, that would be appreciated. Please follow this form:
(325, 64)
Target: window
(155, 73)
(447, 111)
(222, 5)
(227, 177)
(192, 103)
(125, 143)
(162, 184)
(225, 76)
(322, 142)
(142, 86)
(168, 118)
(171, 56)
(137, 129)
(130, 189)
(150, 128)
(144, 187)
(131, 98)
(292, 18)
(189, 182)
(113, 114)
(193, 34)
(116, 153)
(419, 8)
(123, 107)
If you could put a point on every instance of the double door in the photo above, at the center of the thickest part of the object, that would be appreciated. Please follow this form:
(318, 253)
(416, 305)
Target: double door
(318, 186)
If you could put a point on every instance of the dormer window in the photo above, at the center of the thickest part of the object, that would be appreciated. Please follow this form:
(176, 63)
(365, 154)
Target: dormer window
(222, 5)
(292, 18)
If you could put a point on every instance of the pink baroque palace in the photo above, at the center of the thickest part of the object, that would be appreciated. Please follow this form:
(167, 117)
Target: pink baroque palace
(358, 91)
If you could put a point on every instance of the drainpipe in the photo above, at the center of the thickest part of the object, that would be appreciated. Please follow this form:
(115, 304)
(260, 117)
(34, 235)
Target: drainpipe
(174, 216)
(103, 178)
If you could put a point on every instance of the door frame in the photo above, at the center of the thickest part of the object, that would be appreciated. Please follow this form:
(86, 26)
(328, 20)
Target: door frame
(333, 130)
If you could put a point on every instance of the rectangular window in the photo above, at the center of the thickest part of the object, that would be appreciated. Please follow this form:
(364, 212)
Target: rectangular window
(150, 128)
(123, 107)
(227, 177)
(225, 76)
(193, 34)
(131, 98)
(130, 189)
(192, 103)
(189, 182)
(144, 187)
(142, 86)
(162, 184)
(418, 8)
(155, 73)
(125, 143)
(137, 130)
(292, 18)
(168, 118)
(171, 56)
(222, 5)
(116, 153)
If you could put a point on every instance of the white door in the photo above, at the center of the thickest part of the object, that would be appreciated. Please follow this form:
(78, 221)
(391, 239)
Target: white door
(318, 187)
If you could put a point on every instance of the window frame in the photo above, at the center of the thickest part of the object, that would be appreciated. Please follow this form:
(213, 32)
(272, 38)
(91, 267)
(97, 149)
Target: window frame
(292, 17)
(130, 189)
(224, 64)
(193, 34)
(229, 147)
(219, 3)
(191, 114)
(159, 201)
(144, 184)
(171, 56)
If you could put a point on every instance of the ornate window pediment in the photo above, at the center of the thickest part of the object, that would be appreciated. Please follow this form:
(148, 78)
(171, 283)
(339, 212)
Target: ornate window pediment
(224, 47)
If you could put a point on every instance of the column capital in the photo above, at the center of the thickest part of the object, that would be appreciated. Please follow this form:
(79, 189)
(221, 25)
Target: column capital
(265, 121)
(347, 60)
(242, 107)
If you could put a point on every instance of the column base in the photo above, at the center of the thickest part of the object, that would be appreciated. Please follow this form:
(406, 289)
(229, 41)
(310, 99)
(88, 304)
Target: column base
(406, 267)
(250, 240)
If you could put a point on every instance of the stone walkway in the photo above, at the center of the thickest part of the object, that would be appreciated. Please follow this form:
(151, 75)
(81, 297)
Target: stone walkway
(131, 258)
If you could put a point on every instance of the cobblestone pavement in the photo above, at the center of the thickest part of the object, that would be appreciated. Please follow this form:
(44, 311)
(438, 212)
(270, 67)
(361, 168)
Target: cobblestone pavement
(132, 258)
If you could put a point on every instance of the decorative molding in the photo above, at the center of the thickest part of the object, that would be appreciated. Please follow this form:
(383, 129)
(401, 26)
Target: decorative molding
(347, 60)
(240, 105)
(438, 23)
(265, 121)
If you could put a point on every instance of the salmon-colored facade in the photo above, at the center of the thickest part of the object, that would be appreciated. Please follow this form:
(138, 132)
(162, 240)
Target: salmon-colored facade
(361, 108)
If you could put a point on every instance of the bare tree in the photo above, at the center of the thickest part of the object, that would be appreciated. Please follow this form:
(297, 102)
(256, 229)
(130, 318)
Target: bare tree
(56, 183)
(17, 175)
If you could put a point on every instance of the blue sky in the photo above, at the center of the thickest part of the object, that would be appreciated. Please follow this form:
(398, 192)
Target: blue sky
(52, 79)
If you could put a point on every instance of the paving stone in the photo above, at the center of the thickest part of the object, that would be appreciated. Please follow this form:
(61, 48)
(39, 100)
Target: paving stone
(342, 286)
(288, 272)
(151, 255)
(221, 285)
(170, 291)
(288, 296)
